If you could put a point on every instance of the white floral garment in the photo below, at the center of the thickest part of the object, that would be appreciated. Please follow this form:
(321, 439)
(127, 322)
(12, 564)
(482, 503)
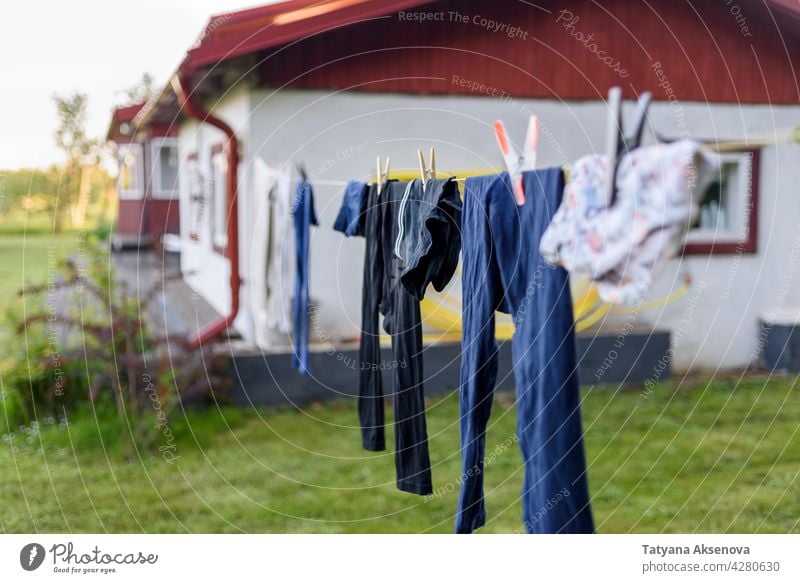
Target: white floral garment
(620, 247)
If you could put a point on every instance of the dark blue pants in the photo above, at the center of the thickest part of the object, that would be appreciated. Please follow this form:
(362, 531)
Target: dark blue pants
(382, 292)
(304, 216)
(502, 270)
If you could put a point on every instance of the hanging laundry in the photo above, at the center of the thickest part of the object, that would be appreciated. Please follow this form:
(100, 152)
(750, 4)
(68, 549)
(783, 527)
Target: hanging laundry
(304, 216)
(272, 257)
(370, 385)
(429, 237)
(620, 247)
(351, 217)
(383, 293)
(502, 270)
(282, 266)
(281, 256)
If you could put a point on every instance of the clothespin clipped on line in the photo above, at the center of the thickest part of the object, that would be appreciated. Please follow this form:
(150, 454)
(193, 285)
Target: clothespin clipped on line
(427, 172)
(617, 144)
(517, 163)
(381, 174)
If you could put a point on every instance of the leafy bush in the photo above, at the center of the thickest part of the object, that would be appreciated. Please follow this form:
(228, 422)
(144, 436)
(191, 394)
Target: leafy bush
(102, 232)
(100, 350)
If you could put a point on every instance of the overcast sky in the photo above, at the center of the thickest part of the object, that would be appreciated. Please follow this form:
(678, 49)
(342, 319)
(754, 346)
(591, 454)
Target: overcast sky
(96, 47)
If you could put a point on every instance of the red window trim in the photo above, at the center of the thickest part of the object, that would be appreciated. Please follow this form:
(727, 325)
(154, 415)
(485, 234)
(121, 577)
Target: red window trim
(749, 244)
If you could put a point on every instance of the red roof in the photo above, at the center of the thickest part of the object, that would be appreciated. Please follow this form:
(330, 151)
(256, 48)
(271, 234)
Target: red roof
(121, 115)
(239, 33)
(789, 8)
(236, 34)
(127, 112)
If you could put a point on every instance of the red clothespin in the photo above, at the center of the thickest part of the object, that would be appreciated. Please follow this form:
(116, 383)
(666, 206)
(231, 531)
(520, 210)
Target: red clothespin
(517, 163)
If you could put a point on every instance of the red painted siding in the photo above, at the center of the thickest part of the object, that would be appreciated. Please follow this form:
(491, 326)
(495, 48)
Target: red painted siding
(164, 217)
(702, 49)
(150, 217)
(157, 130)
(130, 220)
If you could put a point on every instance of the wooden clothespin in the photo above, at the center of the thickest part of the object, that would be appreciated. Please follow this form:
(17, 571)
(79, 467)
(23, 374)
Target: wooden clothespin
(517, 163)
(381, 174)
(426, 173)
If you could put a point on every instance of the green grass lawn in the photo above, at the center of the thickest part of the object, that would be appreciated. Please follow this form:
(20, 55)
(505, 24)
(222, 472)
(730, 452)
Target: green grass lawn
(701, 456)
(27, 259)
(18, 221)
(719, 456)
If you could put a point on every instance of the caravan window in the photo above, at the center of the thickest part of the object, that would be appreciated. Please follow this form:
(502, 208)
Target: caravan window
(130, 182)
(728, 210)
(219, 206)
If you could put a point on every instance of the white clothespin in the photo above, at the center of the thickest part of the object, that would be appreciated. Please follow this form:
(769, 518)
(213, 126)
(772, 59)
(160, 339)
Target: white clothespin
(517, 163)
(381, 174)
(426, 173)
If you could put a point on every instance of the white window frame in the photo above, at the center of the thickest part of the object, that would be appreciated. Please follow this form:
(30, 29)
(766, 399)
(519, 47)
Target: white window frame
(137, 149)
(219, 169)
(198, 195)
(738, 229)
(156, 144)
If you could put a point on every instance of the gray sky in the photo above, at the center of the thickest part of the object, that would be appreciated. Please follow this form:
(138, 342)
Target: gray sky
(96, 47)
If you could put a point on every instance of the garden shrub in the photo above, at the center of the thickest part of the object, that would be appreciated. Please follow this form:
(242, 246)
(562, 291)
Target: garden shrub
(101, 350)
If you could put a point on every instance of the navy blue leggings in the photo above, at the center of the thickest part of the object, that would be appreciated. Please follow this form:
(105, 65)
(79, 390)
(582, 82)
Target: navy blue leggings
(502, 270)
(304, 216)
(382, 292)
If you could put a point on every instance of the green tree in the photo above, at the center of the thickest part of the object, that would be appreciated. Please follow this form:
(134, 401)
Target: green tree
(30, 189)
(71, 132)
(82, 154)
(141, 91)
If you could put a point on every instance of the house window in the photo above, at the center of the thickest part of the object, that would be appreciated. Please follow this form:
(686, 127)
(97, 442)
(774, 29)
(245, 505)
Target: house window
(198, 189)
(728, 214)
(130, 182)
(219, 206)
(165, 168)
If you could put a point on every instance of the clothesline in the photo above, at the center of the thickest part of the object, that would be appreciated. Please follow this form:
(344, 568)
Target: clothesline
(329, 182)
(447, 174)
(785, 136)
(345, 182)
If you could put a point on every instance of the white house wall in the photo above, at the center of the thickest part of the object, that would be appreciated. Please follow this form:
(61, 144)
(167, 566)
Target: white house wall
(336, 136)
(717, 324)
(205, 270)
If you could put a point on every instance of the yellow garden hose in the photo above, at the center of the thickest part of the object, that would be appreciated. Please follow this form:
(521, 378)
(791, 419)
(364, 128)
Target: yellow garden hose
(442, 312)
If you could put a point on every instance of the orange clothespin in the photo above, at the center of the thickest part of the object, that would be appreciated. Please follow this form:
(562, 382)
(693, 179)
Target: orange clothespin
(517, 163)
